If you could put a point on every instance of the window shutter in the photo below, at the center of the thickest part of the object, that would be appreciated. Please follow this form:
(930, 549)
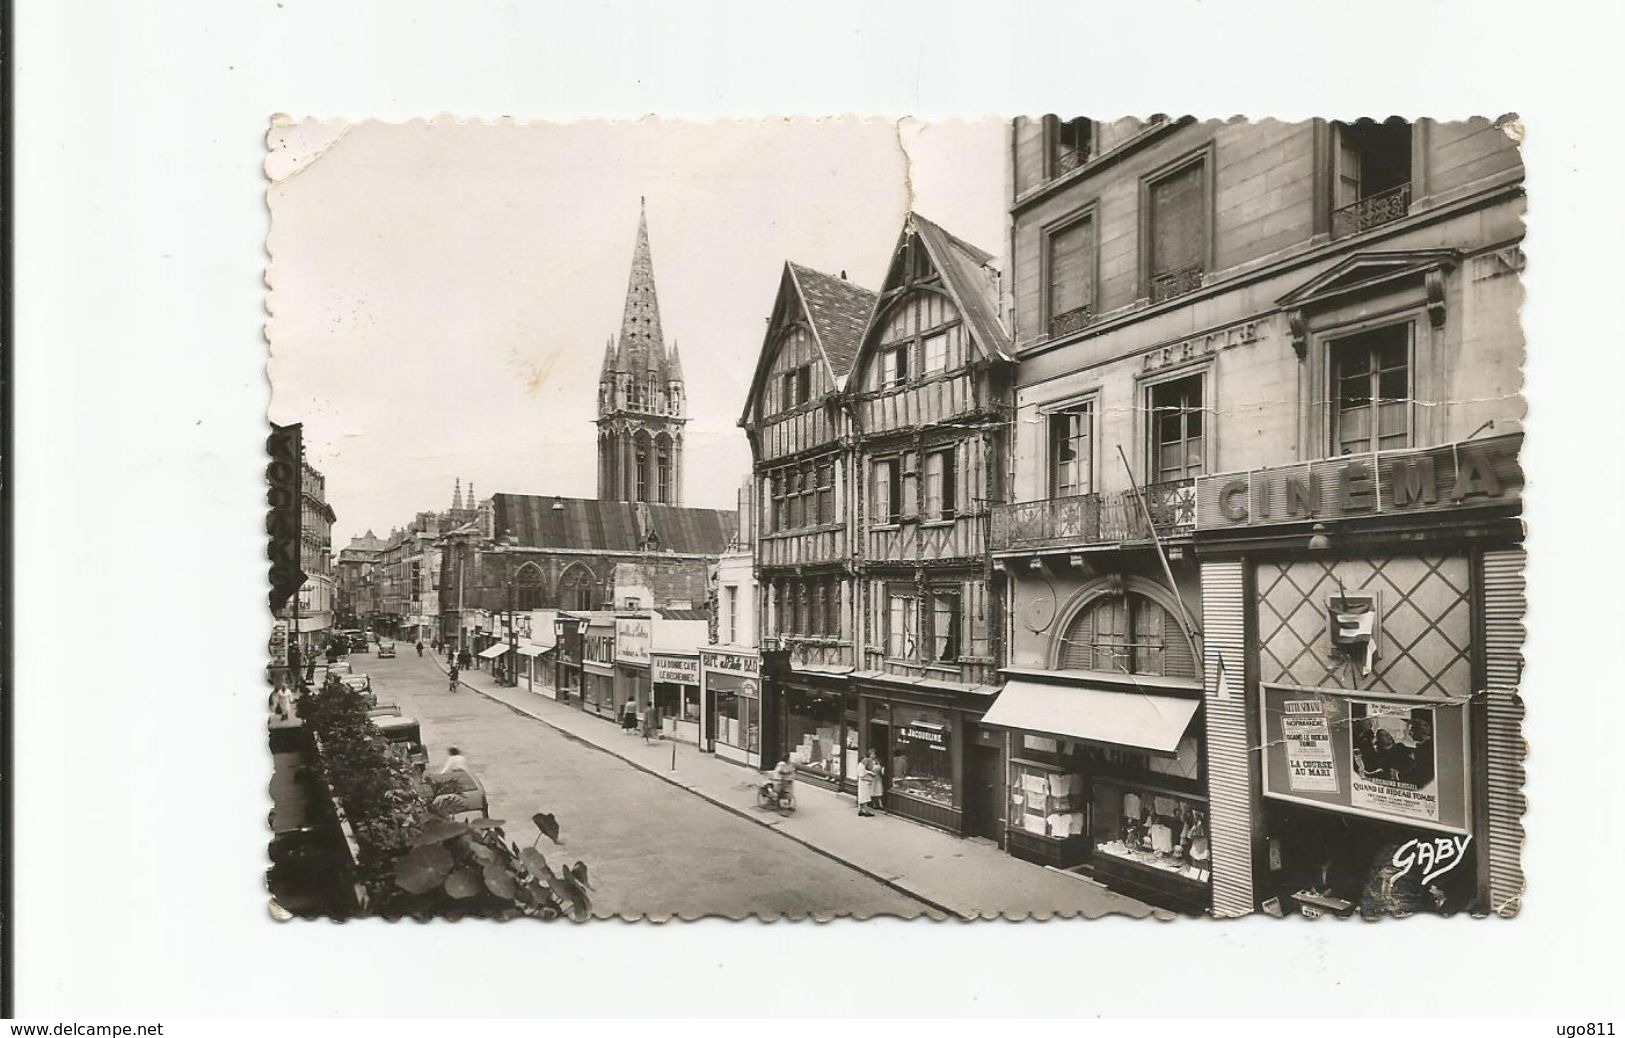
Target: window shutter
(910, 484)
(1071, 268)
(1178, 227)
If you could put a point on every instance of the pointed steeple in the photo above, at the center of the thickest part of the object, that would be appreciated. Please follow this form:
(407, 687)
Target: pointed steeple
(674, 364)
(457, 496)
(642, 347)
(609, 359)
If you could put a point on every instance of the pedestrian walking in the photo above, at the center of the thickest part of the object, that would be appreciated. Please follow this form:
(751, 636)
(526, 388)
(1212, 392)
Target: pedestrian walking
(455, 761)
(629, 715)
(465, 659)
(870, 778)
(420, 648)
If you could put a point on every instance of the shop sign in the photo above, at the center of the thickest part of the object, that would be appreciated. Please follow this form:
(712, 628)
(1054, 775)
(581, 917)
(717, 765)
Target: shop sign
(1202, 346)
(931, 735)
(1400, 759)
(600, 647)
(1435, 480)
(677, 670)
(731, 663)
(632, 640)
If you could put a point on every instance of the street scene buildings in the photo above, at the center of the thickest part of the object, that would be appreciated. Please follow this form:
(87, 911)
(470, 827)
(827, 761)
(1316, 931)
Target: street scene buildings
(1162, 556)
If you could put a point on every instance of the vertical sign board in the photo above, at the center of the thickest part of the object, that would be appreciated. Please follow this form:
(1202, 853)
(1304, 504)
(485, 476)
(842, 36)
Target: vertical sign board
(1401, 759)
(283, 522)
(632, 640)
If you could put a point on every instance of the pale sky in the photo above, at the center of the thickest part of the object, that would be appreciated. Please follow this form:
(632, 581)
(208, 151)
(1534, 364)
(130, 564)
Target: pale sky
(441, 293)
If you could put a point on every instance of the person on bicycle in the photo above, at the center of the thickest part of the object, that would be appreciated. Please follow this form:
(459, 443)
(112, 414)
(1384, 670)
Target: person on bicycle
(784, 781)
(420, 646)
(453, 674)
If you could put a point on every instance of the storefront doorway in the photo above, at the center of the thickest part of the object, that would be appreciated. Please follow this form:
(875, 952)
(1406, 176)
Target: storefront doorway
(984, 792)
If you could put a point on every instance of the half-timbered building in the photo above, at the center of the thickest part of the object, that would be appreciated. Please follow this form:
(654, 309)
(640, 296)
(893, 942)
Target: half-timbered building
(930, 399)
(799, 434)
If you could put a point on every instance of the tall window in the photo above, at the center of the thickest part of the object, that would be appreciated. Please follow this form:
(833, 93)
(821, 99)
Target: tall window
(792, 498)
(902, 627)
(940, 492)
(1071, 451)
(826, 493)
(1372, 181)
(1177, 444)
(894, 366)
(945, 614)
(832, 610)
(1070, 144)
(730, 614)
(796, 386)
(1371, 386)
(1176, 230)
(663, 471)
(936, 354)
(576, 589)
(1127, 633)
(641, 468)
(1070, 303)
(886, 505)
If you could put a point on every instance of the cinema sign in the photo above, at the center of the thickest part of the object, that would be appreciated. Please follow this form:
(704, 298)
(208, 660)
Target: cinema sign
(1437, 479)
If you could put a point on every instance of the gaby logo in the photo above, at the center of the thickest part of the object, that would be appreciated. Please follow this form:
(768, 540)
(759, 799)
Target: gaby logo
(1434, 857)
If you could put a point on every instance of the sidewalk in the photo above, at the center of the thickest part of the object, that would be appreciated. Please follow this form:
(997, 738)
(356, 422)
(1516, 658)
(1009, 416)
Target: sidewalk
(965, 878)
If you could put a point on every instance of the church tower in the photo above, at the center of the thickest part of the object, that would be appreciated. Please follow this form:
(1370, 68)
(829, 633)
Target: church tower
(641, 409)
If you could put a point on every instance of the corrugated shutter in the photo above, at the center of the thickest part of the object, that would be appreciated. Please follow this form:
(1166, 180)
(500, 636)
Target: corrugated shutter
(1504, 607)
(1229, 757)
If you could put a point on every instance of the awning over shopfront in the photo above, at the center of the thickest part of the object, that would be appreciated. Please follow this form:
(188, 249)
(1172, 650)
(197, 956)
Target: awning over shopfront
(491, 652)
(532, 650)
(1135, 719)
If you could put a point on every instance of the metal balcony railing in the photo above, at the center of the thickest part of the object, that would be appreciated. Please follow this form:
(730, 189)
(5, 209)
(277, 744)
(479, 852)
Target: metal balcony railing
(1096, 518)
(1071, 321)
(1381, 208)
(1176, 282)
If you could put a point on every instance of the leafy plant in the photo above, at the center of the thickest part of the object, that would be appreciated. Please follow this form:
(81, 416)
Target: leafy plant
(416, 858)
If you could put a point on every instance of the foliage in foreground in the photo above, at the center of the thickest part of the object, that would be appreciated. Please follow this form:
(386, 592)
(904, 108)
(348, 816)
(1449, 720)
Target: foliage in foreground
(416, 858)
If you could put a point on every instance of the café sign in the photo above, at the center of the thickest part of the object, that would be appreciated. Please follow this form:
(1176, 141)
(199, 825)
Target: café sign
(731, 663)
(632, 639)
(1439, 479)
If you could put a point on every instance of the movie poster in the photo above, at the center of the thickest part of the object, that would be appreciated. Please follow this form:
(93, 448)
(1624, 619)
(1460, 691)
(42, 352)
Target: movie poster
(1311, 766)
(1395, 766)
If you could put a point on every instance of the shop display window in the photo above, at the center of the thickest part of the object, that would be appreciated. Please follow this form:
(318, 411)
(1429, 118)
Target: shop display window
(1045, 801)
(921, 764)
(813, 729)
(739, 719)
(1150, 827)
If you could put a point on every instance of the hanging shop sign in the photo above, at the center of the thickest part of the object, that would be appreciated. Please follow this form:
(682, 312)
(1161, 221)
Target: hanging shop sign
(1402, 759)
(1440, 479)
(676, 670)
(632, 640)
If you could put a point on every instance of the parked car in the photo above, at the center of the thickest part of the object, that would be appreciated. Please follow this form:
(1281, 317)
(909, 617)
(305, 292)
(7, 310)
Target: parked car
(358, 640)
(386, 650)
(459, 793)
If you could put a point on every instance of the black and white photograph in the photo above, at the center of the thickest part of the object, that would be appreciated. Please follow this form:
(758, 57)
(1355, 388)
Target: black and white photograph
(932, 515)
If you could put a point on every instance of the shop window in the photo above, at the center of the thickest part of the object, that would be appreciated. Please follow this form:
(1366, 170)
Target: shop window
(1176, 226)
(901, 627)
(940, 491)
(1127, 634)
(945, 621)
(921, 764)
(1070, 144)
(1177, 421)
(1046, 801)
(1371, 384)
(1070, 299)
(1150, 826)
(814, 737)
(1071, 451)
(886, 502)
(739, 717)
(1371, 181)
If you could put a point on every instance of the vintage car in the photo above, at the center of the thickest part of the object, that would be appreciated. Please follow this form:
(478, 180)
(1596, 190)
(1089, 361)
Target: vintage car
(386, 650)
(459, 792)
(404, 734)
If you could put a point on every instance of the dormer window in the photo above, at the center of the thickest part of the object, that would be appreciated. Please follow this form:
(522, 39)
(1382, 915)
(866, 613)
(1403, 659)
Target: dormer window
(1071, 144)
(894, 366)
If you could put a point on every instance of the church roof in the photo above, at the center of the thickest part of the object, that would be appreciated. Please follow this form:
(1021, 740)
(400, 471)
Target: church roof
(594, 525)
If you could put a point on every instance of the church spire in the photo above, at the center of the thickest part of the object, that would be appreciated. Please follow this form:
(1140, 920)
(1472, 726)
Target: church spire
(674, 364)
(457, 496)
(642, 347)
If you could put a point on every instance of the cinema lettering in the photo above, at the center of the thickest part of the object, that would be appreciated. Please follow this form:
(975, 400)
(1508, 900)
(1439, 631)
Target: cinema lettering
(1439, 479)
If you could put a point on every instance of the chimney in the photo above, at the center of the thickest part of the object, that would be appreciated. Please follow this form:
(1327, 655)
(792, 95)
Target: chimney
(843, 275)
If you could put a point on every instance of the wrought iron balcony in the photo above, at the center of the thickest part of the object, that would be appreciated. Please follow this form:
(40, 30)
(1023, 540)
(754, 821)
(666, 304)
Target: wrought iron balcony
(1176, 282)
(1086, 519)
(1067, 160)
(1374, 211)
(1071, 321)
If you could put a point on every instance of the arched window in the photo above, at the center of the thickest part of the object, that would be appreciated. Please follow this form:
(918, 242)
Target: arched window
(640, 449)
(578, 588)
(1127, 633)
(529, 588)
(663, 469)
